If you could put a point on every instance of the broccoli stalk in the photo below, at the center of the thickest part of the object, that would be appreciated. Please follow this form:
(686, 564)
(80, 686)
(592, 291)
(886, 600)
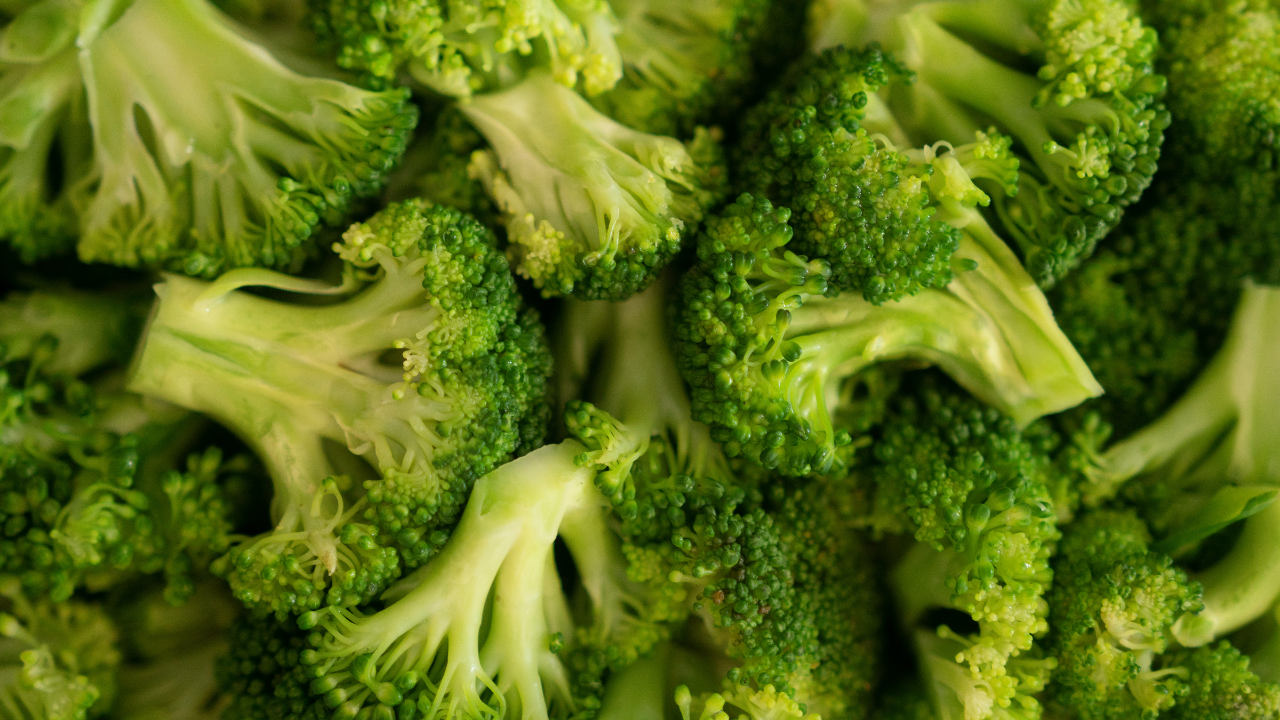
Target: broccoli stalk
(1088, 121)
(592, 208)
(768, 350)
(683, 64)
(173, 161)
(1211, 460)
(478, 629)
(468, 374)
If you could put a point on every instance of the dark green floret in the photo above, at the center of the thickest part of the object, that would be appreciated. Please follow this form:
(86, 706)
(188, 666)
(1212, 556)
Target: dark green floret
(974, 491)
(770, 353)
(430, 370)
(1210, 462)
(156, 156)
(1113, 604)
(1087, 123)
(592, 208)
(93, 477)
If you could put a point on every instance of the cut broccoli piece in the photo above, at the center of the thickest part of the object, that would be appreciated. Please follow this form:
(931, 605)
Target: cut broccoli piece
(973, 490)
(486, 627)
(457, 47)
(683, 64)
(1113, 603)
(1088, 123)
(592, 208)
(158, 157)
(432, 372)
(768, 353)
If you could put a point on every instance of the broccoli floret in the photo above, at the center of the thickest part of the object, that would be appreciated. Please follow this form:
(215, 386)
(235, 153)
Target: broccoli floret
(261, 672)
(1224, 82)
(59, 660)
(158, 157)
(1220, 685)
(684, 64)
(486, 626)
(1113, 603)
(1209, 462)
(457, 47)
(769, 354)
(972, 489)
(432, 372)
(1088, 123)
(93, 476)
(592, 208)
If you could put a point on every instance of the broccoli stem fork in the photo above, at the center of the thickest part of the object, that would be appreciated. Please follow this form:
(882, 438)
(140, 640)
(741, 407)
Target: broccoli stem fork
(501, 547)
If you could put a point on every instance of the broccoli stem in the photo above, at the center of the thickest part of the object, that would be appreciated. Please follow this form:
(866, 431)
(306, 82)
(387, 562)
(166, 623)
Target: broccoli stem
(991, 330)
(638, 691)
(1239, 588)
(499, 549)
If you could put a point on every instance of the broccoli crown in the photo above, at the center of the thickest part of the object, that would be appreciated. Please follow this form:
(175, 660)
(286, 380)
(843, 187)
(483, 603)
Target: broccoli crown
(465, 389)
(1220, 685)
(1224, 81)
(60, 658)
(1088, 124)
(93, 477)
(859, 203)
(158, 158)
(682, 64)
(1209, 462)
(973, 490)
(458, 47)
(592, 208)
(1113, 603)
(503, 643)
(771, 358)
(261, 672)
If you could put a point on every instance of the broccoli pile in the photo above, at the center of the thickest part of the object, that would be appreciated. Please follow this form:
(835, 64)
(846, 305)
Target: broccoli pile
(639, 360)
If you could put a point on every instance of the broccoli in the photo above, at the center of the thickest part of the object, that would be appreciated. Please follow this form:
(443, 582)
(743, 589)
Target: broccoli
(1113, 604)
(436, 168)
(772, 357)
(973, 490)
(92, 476)
(683, 64)
(1209, 462)
(592, 208)
(772, 586)
(431, 371)
(1088, 122)
(60, 659)
(442, 648)
(157, 157)
(458, 47)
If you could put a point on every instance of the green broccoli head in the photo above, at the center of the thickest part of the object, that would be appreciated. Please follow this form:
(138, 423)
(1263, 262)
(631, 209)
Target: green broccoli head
(60, 658)
(592, 208)
(770, 354)
(94, 476)
(1113, 604)
(682, 64)
(159, 158)
(486, 628)
(458, 47)
(1208, 463)
(1221, 685)
(1223, 84)
(859, 203)
(1088, 124)
(974, 491)
(434, 372)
